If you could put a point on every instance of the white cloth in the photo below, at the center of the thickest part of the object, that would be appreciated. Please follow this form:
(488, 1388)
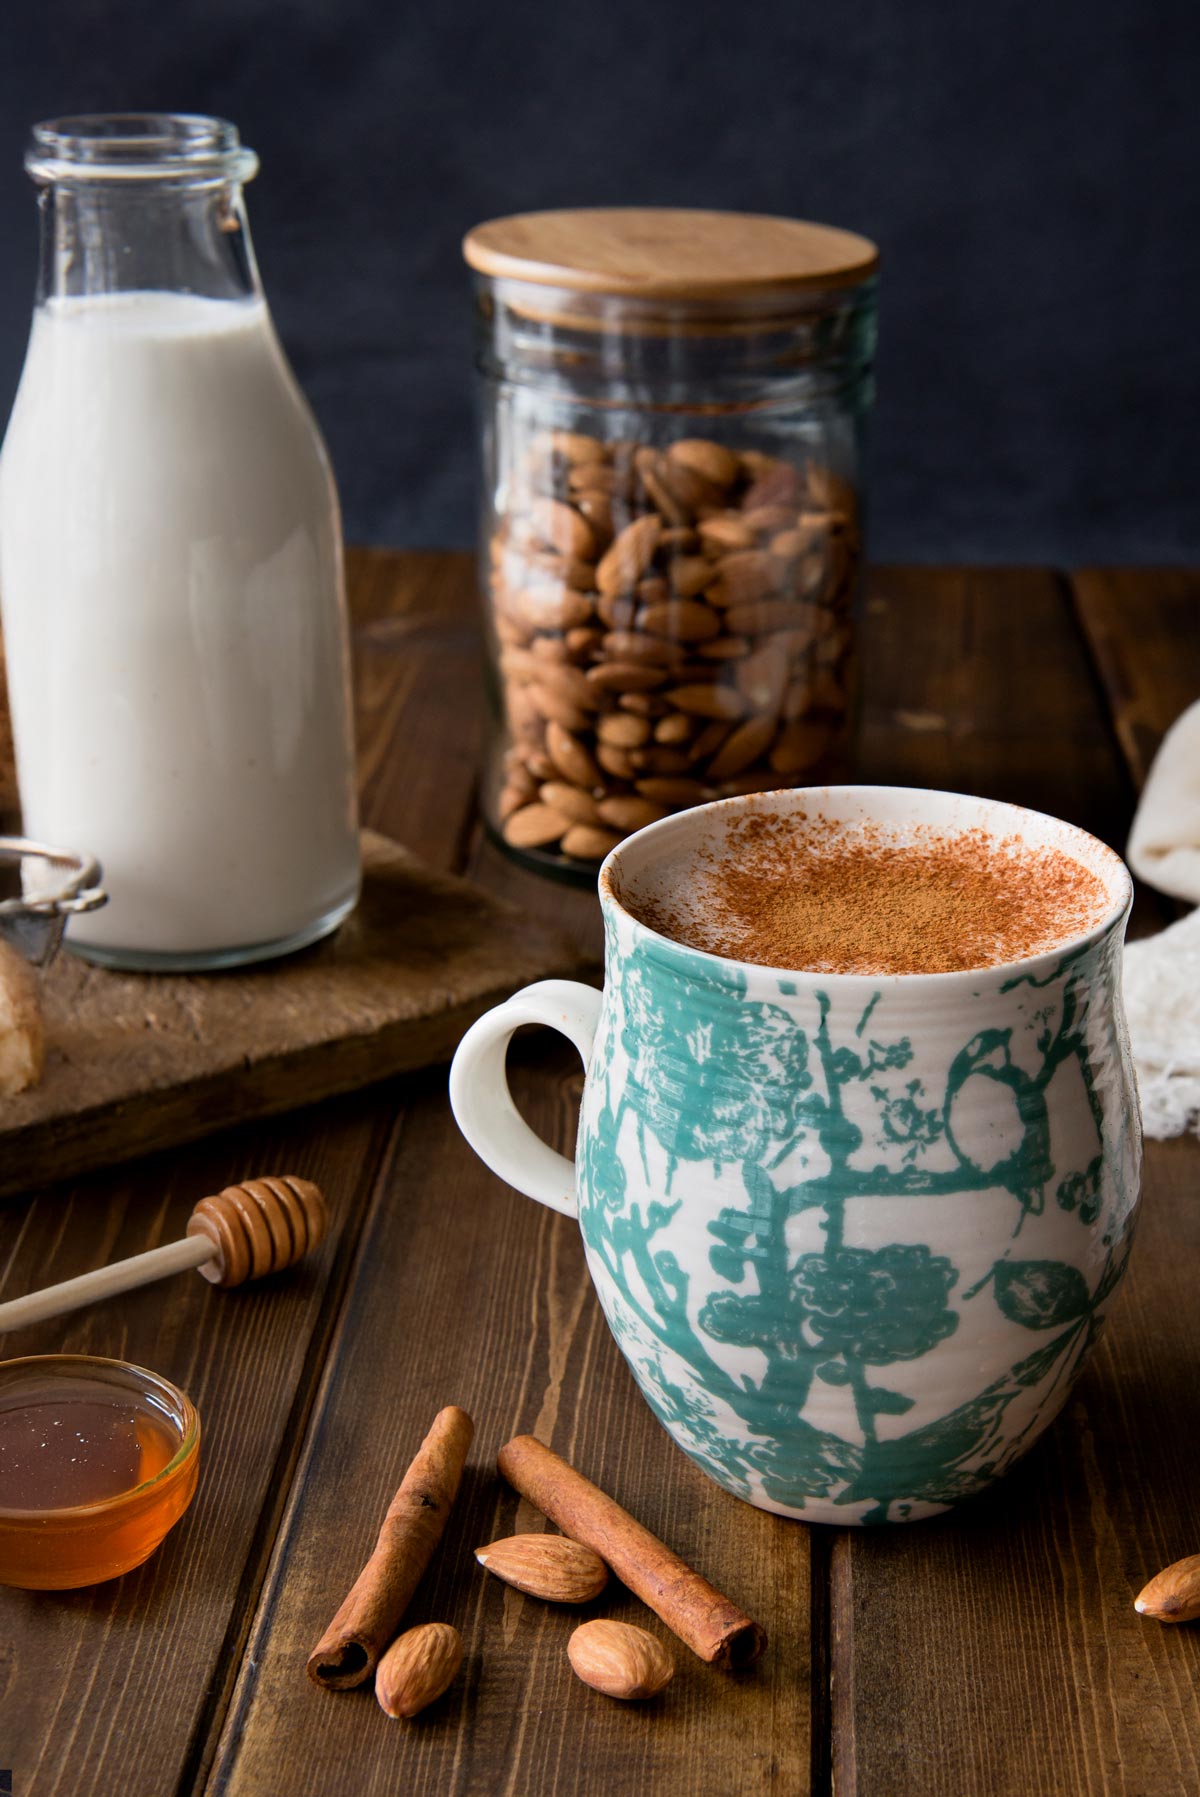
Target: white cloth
(1162, 1003)
(1164, 843)
(1162, 973)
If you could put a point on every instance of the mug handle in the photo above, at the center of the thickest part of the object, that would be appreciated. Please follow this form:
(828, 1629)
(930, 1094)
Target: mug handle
(482, 1103)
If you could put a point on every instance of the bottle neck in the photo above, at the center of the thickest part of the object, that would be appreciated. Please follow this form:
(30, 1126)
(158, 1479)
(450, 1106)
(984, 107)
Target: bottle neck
(99, 238)
(142, 202)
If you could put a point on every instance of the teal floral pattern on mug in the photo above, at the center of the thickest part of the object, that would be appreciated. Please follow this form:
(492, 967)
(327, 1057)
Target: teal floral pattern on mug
(855, 1239)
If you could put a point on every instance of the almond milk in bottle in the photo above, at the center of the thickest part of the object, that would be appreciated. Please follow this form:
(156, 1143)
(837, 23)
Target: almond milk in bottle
(170, 563)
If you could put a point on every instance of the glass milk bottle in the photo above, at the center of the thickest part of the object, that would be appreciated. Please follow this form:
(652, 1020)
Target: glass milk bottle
(171, 565)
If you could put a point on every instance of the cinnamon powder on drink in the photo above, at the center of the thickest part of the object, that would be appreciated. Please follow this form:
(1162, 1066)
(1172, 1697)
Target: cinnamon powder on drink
(797, 893)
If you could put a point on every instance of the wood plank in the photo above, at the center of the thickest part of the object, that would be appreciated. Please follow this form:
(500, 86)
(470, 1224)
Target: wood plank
(417, 688)
(124, 1687)
(536, 1356)
(163, 1059)
(113, 1688)
(1143, 627)
(996, 1651)
(974, 682)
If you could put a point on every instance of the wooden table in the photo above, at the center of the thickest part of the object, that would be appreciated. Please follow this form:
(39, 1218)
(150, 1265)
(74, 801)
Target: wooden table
(993, 1652)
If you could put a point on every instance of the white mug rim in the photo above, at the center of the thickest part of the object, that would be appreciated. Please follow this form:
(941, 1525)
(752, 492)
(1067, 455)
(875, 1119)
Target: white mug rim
(1028, 966)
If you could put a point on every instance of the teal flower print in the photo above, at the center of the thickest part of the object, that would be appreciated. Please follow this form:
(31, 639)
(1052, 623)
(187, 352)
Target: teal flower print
(876, 1305)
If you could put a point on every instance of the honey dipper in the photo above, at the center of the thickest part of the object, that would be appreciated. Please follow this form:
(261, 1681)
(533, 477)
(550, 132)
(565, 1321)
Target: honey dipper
(257, 1227)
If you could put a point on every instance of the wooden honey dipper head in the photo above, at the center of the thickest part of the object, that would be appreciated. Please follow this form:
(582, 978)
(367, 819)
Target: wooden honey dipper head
(259, 1227)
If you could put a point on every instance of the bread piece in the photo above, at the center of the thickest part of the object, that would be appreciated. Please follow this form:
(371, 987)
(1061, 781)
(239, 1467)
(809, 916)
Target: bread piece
(22, 1032)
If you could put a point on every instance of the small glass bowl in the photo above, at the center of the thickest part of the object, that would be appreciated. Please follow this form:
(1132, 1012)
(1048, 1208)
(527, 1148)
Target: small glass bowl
(51, 1549)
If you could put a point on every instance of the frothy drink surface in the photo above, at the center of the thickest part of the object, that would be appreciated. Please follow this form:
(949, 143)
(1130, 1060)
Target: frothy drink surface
(808, 895)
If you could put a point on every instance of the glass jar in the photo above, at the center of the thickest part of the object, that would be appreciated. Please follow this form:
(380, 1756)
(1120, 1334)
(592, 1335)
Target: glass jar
(171, 563)
(674, 405)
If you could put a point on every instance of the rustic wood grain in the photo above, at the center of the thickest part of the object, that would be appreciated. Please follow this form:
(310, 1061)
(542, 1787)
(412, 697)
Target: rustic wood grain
(1143, 628)
(161, 1059)
(536, 1357)
(113, 1689)
(974, 681)
(124, 1688)
(996, 1651)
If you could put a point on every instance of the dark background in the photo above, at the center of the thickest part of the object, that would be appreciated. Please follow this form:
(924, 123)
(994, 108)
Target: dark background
(1029, 171)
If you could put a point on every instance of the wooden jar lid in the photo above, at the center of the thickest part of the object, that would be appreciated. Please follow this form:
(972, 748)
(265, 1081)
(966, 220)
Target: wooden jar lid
(659, 254)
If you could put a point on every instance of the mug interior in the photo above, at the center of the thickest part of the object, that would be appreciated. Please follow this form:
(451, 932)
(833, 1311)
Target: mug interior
(667, 867)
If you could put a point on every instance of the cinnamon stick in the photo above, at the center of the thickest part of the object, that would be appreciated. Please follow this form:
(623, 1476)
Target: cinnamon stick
(349, 1650)
(708, 1623)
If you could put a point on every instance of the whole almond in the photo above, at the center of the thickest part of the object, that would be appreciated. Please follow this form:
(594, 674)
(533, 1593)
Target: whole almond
(653, 473)
(778, 484)
(597, 509)
(548, 1566)
(417, 1668)
(742, 746)
(586, 842)
(545, 649)
(727, 531)
(762, 678)
(559, 524)
(645, 705)
(798, 745)
(692, 489)
(667, 790)
(534, 827)
(569, 801)
(569, 756)
(712, 461)
(631, 553)
(552, 703)
(762, 615)
(583, 641)
(547, 608)
(617, 610)
(725, 648)
(515, 794)
(625, 811)
(615, 761)
(789, 545)
(598, 478)
(653, 589)
(709, 740)
(797, 700)
(577, 447)
(537, 761)
(682, 620)
(625, 676)
(624, 730)
(1173, 1595)
(689, 575)
(618, 1659)
(630, 645)
(742, 576)
(707, 701)
(766, 519)
(664, 760)
(675, 728)
(571, 682)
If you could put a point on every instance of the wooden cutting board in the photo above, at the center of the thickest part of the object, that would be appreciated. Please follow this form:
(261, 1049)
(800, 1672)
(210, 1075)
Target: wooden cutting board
(138, 1062)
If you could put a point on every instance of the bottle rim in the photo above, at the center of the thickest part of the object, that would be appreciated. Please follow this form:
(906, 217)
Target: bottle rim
(138, 146)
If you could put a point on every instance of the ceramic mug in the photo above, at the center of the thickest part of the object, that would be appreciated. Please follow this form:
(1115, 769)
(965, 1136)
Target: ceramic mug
(855, 1235)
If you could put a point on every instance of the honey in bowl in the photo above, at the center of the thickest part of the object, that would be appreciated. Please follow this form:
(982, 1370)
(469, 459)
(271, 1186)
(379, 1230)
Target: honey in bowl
(98, 1460)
